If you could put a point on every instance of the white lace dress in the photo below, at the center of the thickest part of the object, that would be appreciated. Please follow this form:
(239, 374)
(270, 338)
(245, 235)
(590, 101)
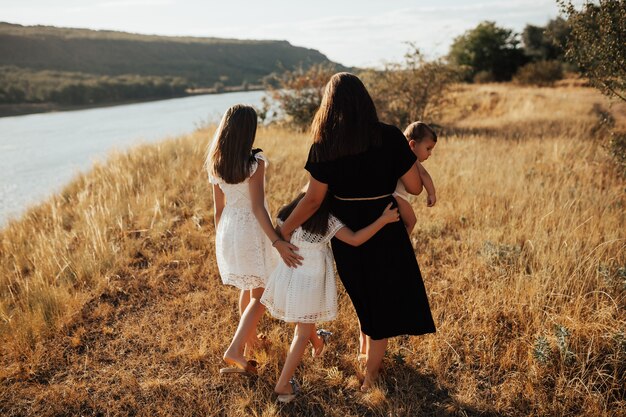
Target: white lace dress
(245, 256)
(308, 293)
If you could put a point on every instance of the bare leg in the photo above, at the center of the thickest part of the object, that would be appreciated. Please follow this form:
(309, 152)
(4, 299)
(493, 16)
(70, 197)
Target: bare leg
(406, 214)
(363, 348)
(247, 327)
(301, 338)
(244, 300)
(362, 344)
(375, 355)
(316, 341)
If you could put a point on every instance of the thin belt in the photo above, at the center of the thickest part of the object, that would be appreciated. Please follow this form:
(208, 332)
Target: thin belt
(363, 198)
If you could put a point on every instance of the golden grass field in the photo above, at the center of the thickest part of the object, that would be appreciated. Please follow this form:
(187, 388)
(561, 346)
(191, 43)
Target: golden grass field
(111, 303)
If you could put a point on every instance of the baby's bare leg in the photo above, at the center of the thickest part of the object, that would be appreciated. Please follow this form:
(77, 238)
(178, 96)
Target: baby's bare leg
(406, 214)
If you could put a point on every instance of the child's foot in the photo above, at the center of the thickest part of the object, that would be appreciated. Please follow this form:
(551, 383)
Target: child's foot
(238, 364)
(322, 339)
(288, 393)
(368, 382)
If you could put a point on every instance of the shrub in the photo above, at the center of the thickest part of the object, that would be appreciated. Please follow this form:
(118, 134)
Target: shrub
(298, 93)
(482, 77)
(617, 149)
(542, 73)
(596, 43)
(411, 90)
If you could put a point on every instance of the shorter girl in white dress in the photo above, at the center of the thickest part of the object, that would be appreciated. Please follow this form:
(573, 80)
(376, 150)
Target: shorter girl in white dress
(307, 294)
(244, 234)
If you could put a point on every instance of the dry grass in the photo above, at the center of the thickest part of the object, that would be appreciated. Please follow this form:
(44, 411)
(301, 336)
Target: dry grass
(111, 304)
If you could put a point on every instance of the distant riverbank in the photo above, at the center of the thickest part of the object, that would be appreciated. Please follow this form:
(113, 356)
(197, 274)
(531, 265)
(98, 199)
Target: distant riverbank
(41, 153)
(20, 109)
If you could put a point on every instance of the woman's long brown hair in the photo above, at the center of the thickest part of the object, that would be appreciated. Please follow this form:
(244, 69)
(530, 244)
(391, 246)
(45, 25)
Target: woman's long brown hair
(229, 156)
(346, 122)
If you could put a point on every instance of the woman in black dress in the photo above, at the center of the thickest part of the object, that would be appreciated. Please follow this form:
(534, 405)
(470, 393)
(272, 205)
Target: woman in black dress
(358, 160)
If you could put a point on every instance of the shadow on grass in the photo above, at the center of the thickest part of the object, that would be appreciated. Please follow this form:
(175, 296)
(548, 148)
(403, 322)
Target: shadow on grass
(401, 391)
(523, 130)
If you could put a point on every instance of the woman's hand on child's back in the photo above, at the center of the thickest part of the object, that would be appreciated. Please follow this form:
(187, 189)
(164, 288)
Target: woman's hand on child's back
(390, 215)
(287, 252)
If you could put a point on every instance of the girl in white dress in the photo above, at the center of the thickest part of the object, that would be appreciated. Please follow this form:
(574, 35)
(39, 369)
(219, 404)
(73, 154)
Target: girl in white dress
(307, 294)
(244, 233)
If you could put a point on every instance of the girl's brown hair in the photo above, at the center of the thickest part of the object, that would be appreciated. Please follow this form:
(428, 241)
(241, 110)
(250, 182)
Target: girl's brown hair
(346, 122)
(418, 131)
(230, 154)
(317, 223)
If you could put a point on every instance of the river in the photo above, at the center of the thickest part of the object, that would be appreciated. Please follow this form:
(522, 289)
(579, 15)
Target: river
(41, 153)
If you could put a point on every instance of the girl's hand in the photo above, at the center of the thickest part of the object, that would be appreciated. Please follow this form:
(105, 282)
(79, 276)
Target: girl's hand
(390, 215)
(431, 200)
(287, 251)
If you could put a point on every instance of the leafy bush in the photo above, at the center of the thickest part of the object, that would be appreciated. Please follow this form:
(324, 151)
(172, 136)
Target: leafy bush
(411, 90)
(617, 149)
(542, 73)
(298, 93)
(482, 77)
(596, 43)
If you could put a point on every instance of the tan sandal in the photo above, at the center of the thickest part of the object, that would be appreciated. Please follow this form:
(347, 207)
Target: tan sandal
(249, 369)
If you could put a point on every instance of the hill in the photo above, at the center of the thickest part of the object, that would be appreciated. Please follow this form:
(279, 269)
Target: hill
(38, 62)
(111, 302)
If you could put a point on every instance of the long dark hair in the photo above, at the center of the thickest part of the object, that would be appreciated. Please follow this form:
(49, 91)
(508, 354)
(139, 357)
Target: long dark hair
(230, 155)
(317, 223)
(346, 122)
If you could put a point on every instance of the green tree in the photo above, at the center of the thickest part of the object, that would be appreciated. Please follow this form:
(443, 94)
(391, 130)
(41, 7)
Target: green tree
(597, 44)
(546, 43)
(487, 48)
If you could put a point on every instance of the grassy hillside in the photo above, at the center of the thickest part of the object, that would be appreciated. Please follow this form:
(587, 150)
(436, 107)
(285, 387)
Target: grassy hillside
(111, 303)
(201, 61)
(28, 53)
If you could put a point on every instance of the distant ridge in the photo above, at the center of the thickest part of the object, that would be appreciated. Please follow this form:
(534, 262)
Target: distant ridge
(201, 61)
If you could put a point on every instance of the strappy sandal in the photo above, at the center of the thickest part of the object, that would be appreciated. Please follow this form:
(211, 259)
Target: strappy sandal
(287, 398)
(249, 369)
(361, 358)
(325, 335)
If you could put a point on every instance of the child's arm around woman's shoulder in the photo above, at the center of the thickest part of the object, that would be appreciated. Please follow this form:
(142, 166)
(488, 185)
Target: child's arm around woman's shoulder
(359, 237)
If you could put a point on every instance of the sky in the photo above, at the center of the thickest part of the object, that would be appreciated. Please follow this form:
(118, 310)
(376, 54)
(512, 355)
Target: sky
(362, 33)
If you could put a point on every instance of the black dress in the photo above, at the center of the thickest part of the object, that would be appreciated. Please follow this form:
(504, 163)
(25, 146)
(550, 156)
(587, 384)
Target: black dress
(381, 276)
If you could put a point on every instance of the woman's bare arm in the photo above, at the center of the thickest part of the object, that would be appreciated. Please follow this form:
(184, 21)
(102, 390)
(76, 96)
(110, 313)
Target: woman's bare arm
(312, 200)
